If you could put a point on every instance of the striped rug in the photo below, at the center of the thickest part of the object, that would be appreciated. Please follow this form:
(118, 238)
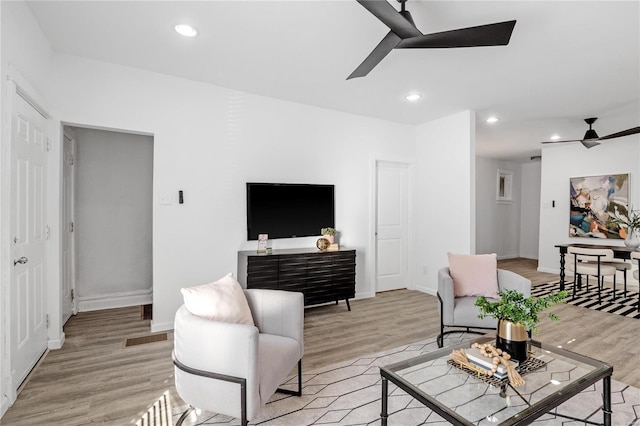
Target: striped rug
(621, 305)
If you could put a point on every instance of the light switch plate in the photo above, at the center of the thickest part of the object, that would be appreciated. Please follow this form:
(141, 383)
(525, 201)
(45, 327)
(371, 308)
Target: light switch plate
(165, 199)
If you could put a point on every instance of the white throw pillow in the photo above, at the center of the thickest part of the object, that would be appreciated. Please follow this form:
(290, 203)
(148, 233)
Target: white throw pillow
(222, 300)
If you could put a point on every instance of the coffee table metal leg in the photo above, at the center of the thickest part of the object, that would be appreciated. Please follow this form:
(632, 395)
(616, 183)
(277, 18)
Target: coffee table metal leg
(384, 414)
(606, 400)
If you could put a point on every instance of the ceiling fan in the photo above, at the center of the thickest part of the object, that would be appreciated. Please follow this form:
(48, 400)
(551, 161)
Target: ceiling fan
(592, 139)
(405, 35)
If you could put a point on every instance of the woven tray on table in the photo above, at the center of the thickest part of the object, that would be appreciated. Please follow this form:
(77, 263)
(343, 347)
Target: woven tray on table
(531, 364)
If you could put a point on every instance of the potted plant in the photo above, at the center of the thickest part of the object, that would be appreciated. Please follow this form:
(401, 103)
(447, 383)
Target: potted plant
(328, 234)
(517, 315)
(632, 222)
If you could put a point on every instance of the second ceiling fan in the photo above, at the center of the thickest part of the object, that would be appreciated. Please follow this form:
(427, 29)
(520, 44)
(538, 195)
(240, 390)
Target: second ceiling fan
(404, 34)
(592, 139)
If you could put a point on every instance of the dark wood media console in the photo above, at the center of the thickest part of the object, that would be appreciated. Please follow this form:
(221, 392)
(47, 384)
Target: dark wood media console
(321, 276)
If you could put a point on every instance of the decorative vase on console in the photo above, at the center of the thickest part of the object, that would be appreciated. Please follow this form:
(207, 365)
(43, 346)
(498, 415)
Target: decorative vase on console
(328, 234)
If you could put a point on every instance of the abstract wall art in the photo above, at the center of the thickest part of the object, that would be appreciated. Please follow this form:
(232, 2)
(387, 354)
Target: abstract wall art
(594, 201)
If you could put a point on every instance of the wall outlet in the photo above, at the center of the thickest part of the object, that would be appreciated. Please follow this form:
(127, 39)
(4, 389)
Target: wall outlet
(425, 270)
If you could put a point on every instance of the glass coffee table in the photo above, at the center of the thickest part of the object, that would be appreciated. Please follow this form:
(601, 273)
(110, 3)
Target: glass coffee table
(463, 398)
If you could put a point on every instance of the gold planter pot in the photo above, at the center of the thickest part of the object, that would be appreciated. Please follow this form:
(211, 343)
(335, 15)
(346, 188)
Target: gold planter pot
(512, 337)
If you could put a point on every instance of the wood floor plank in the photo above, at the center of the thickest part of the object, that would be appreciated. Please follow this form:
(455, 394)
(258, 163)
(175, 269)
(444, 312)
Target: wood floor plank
(94, 378)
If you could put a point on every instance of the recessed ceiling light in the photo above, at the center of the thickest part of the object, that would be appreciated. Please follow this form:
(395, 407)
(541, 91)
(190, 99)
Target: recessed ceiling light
(555, 137)
(493, 119)
(186, 30)
(413, 97)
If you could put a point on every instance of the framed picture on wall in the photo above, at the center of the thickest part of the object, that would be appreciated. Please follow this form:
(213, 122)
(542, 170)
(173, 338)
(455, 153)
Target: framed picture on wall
(594, 200)
(504, 186)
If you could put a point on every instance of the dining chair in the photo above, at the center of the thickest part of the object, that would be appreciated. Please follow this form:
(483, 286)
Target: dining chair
(588, 262)
(621, 265)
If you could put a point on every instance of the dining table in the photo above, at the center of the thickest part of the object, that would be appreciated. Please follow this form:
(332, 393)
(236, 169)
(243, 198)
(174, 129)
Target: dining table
(619, 252)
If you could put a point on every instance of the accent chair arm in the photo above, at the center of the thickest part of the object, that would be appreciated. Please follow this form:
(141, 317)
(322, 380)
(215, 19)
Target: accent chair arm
(446, 295)
(508, 280)
(278, 312)
(217, 347)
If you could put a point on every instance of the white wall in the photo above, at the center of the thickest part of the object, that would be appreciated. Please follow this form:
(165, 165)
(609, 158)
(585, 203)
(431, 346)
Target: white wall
(559, 163)
(530, 209)
(113, 232)
(444, 194)
(209, 141)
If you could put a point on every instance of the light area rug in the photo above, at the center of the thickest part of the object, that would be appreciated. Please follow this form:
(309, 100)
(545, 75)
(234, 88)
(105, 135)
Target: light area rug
(349, 394)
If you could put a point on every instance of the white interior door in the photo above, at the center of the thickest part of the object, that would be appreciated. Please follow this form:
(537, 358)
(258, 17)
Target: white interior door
(391, 226)
(28, 334)
(68, 241)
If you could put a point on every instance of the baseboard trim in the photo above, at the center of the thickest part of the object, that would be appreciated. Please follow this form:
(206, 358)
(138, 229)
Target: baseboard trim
(5, 405)
(161, 326)
(56, 343)
(427, 290)
(548, 270)
(115, 300)
(508, 256)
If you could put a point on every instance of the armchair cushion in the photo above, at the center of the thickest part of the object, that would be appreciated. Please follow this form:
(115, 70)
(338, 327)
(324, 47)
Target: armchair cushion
(222, 300)
(276, 356)
(474, 275)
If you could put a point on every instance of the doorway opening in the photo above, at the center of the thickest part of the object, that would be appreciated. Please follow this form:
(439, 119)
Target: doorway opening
(107, 220)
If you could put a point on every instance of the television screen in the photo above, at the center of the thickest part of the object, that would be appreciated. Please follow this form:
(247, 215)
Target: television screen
(284, 210)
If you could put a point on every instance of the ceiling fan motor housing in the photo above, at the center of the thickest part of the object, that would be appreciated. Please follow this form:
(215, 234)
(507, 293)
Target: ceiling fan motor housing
(590, 134)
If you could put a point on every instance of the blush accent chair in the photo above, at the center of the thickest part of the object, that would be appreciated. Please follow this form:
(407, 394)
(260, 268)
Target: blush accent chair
(461, 312)
(233, 369)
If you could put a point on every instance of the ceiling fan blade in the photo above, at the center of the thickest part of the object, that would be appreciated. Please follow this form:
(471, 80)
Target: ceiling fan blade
(388, 43)
(590, 143)
(497, 34)
(391, 18)
(623, 133)
(569, 140)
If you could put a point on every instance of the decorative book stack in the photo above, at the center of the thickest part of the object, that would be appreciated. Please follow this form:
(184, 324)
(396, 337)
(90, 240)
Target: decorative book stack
(474, 356)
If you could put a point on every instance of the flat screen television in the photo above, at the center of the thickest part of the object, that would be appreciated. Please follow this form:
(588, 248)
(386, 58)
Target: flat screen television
(286, 210)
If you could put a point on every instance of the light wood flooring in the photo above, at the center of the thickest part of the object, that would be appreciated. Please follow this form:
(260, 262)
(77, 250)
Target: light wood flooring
(95, 379)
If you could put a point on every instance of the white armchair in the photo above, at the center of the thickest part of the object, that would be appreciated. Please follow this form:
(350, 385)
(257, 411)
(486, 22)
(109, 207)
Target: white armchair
(234, 369)
(462, 312)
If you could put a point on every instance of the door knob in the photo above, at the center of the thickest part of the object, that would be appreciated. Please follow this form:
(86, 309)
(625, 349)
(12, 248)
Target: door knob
(21, 260)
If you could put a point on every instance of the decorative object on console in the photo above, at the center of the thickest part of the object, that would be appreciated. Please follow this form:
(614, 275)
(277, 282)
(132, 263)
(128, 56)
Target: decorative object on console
(329, 234)
(322, 244)
(631, 229)
(263, 239)
(592, 201)
(516, 316)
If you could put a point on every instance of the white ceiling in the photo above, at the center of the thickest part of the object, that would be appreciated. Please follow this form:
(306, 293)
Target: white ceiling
(567, 60)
